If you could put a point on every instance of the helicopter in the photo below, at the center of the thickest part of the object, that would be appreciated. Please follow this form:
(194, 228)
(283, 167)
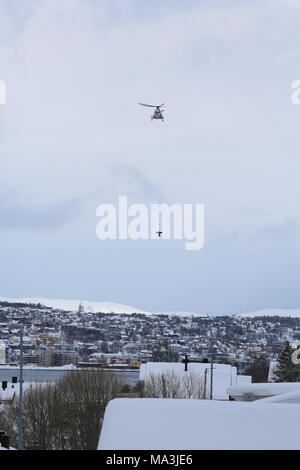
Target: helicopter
(157, 112)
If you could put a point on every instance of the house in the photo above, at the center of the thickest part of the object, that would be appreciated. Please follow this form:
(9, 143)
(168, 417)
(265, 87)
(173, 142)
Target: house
(10, 390)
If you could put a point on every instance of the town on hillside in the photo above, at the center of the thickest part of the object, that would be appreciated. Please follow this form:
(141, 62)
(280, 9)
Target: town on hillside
(54, 337)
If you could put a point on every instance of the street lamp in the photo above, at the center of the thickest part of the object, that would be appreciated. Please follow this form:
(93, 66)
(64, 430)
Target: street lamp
(21, 411)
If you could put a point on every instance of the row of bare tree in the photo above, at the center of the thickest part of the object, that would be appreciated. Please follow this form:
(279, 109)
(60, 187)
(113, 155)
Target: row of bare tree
(171, 385)
(66, 415)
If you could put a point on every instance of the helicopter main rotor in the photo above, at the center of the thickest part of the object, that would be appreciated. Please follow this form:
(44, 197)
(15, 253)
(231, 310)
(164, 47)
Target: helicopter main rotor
(152, 105)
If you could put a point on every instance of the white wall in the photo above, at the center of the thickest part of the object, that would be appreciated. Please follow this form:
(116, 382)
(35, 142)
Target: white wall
(224, 375)
(2, 353)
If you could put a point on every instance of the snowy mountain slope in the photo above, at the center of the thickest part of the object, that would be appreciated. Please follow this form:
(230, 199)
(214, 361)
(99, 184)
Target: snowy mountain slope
(111, 307)
(72, 305)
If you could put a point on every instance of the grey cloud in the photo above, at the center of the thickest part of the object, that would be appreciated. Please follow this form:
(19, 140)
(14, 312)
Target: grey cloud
(108, 13)
(17, 13)
(230, 140)
(38, 217)
(140, 185)
(278, 232)
(126, 179)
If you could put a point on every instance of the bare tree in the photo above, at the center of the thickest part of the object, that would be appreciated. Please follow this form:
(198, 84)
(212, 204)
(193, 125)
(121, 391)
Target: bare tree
(84, 398)
(193, 386)
(172, 385)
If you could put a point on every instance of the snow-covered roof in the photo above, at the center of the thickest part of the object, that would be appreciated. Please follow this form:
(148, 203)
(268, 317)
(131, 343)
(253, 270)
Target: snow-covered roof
(243, 379)
(141, 423)
(263, 389)
(289, 397)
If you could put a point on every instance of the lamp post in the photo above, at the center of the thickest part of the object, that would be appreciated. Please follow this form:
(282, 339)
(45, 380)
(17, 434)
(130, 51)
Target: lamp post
(21, 413)
(211, 367)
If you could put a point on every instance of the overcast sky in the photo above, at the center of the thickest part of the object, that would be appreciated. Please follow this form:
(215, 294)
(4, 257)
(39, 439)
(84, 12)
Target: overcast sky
(72, 137)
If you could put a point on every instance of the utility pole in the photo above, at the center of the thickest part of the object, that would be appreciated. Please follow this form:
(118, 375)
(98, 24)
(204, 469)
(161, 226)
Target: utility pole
(164, 386)
(186, 361)
(211, 367)
(205, 376)
(21, 417)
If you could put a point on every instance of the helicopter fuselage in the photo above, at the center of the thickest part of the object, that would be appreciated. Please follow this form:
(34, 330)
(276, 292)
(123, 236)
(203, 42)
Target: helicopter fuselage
(157, 114)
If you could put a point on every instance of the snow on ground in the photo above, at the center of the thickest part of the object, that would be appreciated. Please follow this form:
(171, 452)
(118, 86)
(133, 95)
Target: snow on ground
(141, 423)
(72, 305)
(4, 448)
(224, 375)
(35, 366)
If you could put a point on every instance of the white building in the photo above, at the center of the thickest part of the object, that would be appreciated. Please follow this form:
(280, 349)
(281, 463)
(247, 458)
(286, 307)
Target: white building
(224, 375)
(2, 353)
(9, 390)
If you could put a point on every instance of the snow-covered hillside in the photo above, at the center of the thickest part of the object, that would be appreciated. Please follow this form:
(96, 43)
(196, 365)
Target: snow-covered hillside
(111, 307)
(72, 305)
(183, 314)
(272, 312)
